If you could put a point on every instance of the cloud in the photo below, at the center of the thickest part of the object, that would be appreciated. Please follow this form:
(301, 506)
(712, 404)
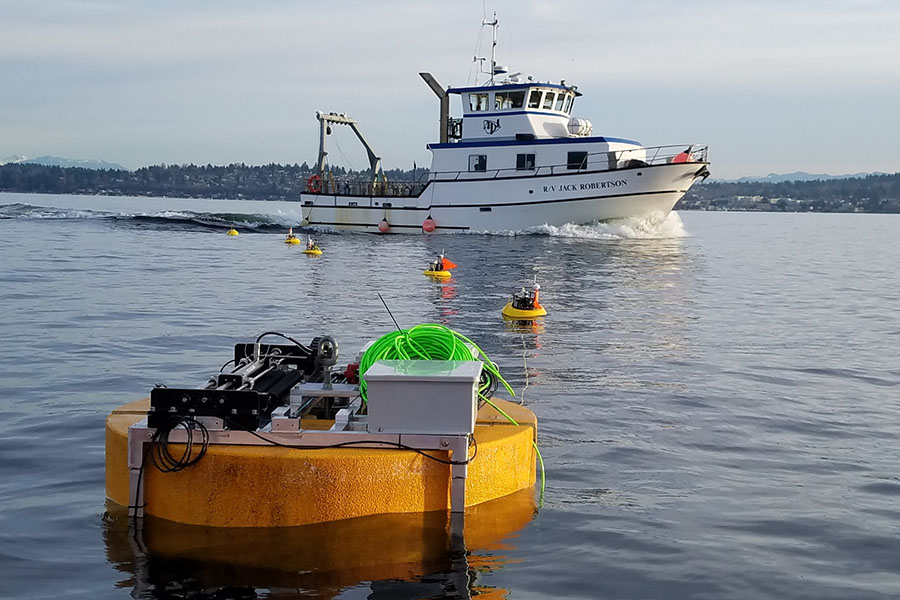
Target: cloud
(235, 81)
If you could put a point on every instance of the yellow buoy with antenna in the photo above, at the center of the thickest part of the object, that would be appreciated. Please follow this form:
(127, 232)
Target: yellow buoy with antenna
(312, 248)
(232, 231)
(440, 267)
(524, 305)
(291, 238)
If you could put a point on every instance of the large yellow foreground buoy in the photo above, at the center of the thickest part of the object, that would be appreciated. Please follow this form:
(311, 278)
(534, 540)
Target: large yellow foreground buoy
(269, 486)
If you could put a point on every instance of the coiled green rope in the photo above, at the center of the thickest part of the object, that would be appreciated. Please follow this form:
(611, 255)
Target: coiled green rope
(431, 341)
(428, 341)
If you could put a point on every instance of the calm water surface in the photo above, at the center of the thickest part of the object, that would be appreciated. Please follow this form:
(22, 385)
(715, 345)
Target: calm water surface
(717, 398)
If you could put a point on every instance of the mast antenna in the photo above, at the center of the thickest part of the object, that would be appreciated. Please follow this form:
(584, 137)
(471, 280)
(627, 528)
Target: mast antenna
(493, 25)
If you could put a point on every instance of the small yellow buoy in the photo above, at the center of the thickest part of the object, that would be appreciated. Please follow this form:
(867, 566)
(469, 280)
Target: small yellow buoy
(440, 268)
(291, 238)
(524, 305)
(232, 231)
(312, 248)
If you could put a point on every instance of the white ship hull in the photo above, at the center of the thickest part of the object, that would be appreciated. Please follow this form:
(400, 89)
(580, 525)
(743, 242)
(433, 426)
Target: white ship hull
(508, 204)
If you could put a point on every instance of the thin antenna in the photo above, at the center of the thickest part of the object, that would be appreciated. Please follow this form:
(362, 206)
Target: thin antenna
(493, 25)
(389, 311)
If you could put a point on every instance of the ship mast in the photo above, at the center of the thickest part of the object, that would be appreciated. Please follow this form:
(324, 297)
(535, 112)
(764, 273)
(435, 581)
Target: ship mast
(493, 25)
(480, 60)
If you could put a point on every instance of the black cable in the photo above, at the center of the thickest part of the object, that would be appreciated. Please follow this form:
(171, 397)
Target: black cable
(361, 442)
(163, 459)
(487, 384)
(167, 463)
(222, 368)
(305, 349)
(136, 507)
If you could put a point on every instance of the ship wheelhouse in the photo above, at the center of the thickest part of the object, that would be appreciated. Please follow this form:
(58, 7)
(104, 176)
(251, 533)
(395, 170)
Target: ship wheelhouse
(515, 129)
(516, 111)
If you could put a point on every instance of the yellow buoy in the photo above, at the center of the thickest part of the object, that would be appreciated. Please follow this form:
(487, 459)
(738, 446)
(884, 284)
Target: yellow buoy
(440, 267)
(438, 274)
(516, 314)
(524, 305)
(232, 231)
(312, 248)
(291, 240)
(271, 486)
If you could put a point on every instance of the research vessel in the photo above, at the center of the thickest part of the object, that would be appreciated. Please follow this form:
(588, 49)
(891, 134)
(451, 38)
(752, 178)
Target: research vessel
(515, 159)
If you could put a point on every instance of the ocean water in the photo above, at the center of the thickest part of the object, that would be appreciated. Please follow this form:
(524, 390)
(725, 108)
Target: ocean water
(717, 397)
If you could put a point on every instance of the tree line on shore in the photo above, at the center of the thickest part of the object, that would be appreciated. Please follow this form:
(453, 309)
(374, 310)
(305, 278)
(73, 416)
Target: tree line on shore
(874, 193)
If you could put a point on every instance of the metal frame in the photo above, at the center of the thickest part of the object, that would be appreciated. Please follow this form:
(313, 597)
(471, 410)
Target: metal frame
(325, 121)
(139, 435)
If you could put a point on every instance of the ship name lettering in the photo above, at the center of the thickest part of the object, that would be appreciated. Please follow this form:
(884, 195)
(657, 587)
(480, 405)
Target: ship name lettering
(599, 185)
(594, 185)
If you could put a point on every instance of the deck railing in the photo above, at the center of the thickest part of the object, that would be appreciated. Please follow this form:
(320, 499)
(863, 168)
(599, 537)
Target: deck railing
(596, 161)
(362, 187)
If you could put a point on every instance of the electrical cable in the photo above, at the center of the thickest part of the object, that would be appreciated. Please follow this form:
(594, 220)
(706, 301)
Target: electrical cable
(302, 347)
(163, 459)
(540, 458)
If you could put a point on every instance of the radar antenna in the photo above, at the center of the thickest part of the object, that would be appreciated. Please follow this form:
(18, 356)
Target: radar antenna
(494, 70)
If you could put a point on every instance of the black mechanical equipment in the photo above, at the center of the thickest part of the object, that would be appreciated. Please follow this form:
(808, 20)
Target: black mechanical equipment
(245, 397)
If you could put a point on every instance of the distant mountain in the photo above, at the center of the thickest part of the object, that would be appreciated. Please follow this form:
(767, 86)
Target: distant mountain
(56, 161)
(796, 176)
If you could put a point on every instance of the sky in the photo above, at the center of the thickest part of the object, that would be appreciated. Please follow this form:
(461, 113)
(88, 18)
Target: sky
(770, 86)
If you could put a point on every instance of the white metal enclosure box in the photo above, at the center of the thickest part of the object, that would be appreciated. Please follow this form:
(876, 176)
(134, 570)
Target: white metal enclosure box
(423, 396)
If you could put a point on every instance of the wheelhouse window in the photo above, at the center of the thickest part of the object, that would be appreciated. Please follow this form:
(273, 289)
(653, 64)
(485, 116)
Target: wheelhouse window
(516, 99)
(560, 100)
(534, 100)
(509, 100)
(525, 162)
(549, 97)
(478, 102)
(477, 162)
(569, 99)
(577, 160)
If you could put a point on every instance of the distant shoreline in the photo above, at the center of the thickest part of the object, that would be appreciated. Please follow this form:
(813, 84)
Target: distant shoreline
(878, 194)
